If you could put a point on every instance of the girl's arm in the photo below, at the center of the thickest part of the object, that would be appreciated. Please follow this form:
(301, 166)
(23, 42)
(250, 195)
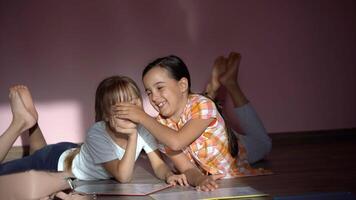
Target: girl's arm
(190, 132)
(193, 174)
(163, 172)
(176, 140)
(122, 169)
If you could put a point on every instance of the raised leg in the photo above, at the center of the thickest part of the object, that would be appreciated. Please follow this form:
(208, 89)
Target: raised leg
(37, 141)
(22, 120)
(256, 140)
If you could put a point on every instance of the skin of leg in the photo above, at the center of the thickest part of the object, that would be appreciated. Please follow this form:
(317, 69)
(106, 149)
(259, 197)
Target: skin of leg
(22, 120)
(32, 184)
(8, 138)
(37, 141)
(72, 196)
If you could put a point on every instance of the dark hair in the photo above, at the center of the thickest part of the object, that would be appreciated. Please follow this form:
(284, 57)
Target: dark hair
(231, 137)
(177, 70)
(112, 90)
(233, 141)
(174, 65)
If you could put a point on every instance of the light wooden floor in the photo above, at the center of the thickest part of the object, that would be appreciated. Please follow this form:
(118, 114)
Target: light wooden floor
(302, 163)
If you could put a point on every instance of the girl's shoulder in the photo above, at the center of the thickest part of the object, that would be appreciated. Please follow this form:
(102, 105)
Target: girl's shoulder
(198, 98)
(199, 106)
(100, 125)
(98, 129)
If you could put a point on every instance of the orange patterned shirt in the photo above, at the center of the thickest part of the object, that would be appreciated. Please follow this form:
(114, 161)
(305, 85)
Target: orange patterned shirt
(210, 151)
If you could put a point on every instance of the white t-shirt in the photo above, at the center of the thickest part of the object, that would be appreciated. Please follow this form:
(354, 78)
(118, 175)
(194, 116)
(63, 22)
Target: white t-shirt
(99, 148)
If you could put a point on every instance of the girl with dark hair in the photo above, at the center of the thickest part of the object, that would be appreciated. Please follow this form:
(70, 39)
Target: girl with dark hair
(191, 130)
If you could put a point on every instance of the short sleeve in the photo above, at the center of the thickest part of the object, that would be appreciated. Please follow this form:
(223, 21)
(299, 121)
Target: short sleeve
(203, 108)
(149, 142)
(99, 147)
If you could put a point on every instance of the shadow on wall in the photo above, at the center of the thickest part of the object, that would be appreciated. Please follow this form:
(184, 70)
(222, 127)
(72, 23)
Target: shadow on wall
(58, 120)
(61, 51)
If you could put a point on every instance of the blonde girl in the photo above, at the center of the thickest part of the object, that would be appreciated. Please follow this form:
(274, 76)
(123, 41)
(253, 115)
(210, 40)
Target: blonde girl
(110, 149)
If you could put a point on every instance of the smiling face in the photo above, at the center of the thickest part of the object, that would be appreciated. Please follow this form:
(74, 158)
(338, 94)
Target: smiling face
(167, 95)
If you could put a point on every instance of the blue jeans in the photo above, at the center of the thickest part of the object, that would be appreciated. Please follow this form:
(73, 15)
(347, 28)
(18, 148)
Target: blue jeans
(45, 158)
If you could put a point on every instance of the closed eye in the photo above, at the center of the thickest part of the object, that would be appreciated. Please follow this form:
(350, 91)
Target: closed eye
(148, 92)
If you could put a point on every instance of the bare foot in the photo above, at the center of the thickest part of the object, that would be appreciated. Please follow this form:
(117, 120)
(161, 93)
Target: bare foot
(26, 98)
(22, 118)
(230, 80)
(218, 69)
(230, 76)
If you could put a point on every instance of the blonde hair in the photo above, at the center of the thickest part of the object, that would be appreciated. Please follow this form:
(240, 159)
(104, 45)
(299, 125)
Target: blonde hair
(113, 90)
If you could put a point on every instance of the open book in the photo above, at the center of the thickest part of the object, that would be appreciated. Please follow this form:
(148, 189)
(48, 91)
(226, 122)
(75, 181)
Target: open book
(134, 189)
(220, 193)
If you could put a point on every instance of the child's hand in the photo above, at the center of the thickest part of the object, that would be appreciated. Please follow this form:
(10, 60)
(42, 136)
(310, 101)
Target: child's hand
(129, 111)
(122, 126)
(181, 179)
(208, 183)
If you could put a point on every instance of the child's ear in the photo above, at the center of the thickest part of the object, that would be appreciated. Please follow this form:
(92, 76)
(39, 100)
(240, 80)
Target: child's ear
(183, 84)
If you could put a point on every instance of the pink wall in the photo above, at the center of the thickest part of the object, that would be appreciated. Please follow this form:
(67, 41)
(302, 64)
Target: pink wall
(298, 64)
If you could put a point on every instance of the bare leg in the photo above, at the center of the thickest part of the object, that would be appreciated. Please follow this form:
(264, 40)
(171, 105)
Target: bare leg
(230, 80)
(255, 137)
(37, 141)
(22, 120)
